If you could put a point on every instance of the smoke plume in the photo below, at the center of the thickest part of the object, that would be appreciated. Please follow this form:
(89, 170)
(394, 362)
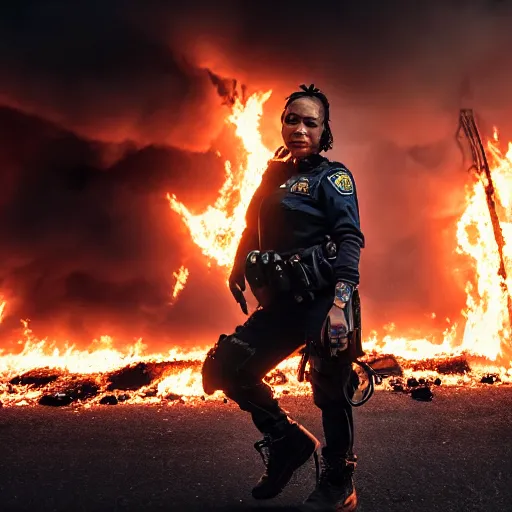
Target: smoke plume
(106, 107)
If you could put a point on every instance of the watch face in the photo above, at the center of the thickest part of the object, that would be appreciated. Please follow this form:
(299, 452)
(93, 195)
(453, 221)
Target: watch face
(343, 292)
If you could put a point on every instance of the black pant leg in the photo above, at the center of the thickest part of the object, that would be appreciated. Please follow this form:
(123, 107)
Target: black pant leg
(246, 356)
(243, 358)
(328, 379)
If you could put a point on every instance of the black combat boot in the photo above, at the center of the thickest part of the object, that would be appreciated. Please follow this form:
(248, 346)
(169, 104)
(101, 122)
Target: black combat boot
(335, 490)
(282, 455)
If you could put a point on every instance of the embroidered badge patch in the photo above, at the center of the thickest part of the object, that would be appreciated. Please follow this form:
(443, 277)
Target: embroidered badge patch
(301, 186)
(342, 182)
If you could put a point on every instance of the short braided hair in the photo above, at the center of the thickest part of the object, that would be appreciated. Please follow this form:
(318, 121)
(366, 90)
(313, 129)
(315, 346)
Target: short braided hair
(326, 140)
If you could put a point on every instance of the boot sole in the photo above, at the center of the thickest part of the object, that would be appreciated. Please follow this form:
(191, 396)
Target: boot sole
(303, 457)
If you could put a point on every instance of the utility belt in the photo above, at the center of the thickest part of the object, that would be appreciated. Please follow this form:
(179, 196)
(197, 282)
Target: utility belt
(273, 277)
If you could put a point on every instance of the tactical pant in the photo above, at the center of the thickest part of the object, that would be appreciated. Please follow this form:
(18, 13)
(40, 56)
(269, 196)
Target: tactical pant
(238, 363)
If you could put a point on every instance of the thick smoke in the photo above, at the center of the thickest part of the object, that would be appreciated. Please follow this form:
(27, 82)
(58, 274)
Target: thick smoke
(106, 107)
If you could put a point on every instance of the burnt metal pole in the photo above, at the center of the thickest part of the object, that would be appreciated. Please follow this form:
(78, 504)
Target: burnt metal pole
(481, 166)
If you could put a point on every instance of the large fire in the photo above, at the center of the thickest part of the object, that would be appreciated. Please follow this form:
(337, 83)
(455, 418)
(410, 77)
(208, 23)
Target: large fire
(488, 326)
(88, 375)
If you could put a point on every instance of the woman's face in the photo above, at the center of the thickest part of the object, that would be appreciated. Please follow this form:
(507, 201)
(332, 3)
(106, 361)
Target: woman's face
(303, 125)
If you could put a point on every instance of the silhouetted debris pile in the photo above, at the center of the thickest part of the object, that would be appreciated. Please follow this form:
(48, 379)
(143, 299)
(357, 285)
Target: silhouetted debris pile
(150, 392)
(139, 375)
(109, 400)
(385, 365)
(69, 392)
(419, 389)
(61, 388)
(453, 365)
(489, 379)
(173, 397)
(131, 377)
(422, 394)
(276, 377)
(412, 382)
(36, 378)
(83, 390)
(398, 387)
(56, 400)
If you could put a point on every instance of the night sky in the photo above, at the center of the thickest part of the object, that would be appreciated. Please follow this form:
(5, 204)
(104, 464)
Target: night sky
(107, 106)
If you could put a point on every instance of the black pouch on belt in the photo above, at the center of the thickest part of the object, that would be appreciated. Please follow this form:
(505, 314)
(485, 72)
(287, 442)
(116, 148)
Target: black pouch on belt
(267, 275)
(311, 269)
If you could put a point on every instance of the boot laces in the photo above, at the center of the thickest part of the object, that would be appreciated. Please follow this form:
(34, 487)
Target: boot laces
(264, 448)
(337, 470)
(327, 470)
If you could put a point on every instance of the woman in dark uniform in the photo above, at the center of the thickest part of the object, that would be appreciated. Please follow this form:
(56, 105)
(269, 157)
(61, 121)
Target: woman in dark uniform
(303, 201)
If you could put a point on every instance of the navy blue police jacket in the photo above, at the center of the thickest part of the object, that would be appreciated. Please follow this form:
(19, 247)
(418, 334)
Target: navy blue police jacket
(297, 205)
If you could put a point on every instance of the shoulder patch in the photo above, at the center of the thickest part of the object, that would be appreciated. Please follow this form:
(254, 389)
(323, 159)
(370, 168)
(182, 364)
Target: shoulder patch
(342, 182)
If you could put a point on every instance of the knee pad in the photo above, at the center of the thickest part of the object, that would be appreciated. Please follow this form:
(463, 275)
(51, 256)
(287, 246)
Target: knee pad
(223, 362)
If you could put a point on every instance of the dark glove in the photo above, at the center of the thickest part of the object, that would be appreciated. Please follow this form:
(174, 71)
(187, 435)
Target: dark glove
(237, 287)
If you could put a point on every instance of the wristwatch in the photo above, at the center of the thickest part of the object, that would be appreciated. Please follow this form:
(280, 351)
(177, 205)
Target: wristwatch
(342, 294)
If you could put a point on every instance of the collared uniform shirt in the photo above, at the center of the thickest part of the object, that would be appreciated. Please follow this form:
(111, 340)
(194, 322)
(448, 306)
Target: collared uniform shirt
(297, 205)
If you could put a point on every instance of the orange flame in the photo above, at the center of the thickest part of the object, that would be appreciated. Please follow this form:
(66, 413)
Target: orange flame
(218, 230)
(3, 303)
(181, 277)
(488, 326)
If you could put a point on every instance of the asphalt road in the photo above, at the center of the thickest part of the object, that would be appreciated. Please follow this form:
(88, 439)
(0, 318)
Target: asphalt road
(451, 454)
